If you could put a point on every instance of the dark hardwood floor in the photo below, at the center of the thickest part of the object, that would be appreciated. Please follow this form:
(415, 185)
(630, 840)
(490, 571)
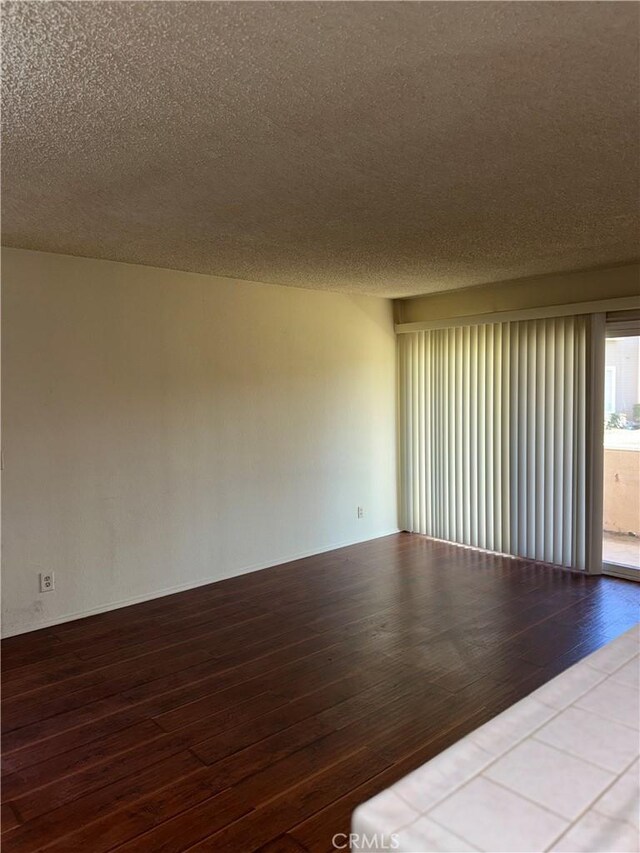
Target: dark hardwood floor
(257, 712)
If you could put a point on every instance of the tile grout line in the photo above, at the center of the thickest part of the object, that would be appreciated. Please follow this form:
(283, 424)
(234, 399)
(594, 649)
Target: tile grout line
(592, 804)
(494, 759)
(531, 735)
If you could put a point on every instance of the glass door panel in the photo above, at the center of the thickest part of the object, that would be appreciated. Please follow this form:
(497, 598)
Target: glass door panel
(621, 517)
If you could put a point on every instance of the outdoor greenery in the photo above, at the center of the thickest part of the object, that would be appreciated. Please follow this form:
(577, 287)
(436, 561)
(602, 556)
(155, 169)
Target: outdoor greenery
(616, 420)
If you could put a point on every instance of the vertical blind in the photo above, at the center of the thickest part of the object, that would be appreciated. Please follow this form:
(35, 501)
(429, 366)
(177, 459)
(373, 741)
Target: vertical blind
(493, 436)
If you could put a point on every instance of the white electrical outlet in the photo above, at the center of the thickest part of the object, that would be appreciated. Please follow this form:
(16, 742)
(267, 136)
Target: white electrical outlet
(47, 582)
(360, 512)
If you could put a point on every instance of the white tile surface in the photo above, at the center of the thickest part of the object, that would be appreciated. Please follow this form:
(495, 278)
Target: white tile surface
(610, 745)
(492, 818)
(595, 833)
(569, 686)
(622, 800)
(628, 674)
(385, 812)
(560, 782)
(425, 834)
(436, 779)
(616, 653)
(613, 701)
(514, 724)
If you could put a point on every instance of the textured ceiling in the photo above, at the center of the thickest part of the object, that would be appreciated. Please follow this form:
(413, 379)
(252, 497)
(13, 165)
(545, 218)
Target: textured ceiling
(384, 148)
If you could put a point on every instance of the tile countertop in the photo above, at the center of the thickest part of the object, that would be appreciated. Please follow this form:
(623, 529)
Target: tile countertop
(557, 771)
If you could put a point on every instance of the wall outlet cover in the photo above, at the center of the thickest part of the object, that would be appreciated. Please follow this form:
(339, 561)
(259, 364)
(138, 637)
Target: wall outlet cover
(47, 582)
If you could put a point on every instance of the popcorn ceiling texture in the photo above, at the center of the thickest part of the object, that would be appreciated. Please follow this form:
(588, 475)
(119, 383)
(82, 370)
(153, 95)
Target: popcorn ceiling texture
(377, 148)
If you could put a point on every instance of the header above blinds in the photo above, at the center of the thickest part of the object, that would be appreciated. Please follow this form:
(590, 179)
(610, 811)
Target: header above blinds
(623, 323)
(623, 303)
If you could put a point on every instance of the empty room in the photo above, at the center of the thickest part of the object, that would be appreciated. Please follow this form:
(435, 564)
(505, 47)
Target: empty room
(320, 426)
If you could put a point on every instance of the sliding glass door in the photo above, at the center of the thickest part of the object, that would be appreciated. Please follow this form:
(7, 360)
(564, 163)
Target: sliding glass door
(621, 451)
(523, 437)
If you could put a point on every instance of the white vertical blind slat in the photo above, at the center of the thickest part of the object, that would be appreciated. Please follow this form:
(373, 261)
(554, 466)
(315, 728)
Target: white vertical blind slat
(466, 486)
(549, 503)
(505, 443)
(459, 443)
(541, 433)
(514, 397)
(451, 416)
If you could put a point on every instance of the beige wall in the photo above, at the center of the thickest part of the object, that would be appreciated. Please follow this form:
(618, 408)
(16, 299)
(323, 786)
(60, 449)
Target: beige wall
(559, 289)
(165, 429)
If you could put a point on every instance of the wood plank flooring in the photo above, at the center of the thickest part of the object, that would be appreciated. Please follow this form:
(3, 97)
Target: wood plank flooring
(257, 712)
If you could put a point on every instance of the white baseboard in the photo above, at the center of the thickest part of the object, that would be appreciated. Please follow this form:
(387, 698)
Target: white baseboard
(170, 590)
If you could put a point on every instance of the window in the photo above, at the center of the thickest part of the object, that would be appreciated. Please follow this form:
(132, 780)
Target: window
(609, 390)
